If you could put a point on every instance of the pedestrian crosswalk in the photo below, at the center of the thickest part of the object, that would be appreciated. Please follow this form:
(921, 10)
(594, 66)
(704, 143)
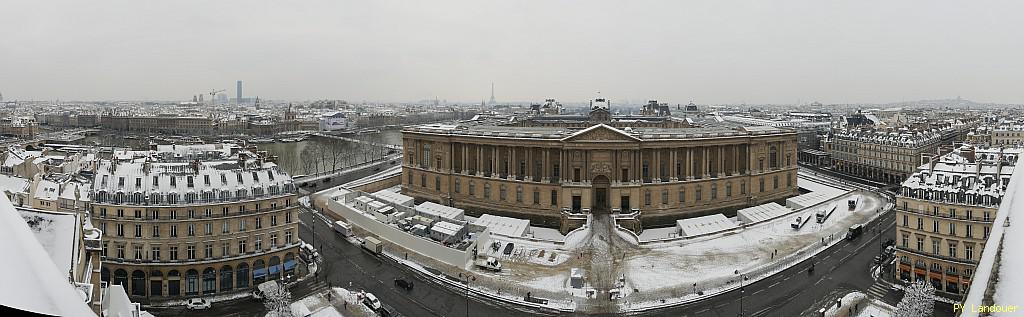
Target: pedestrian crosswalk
(878, 290)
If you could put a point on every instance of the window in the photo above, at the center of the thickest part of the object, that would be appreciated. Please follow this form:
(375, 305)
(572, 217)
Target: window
(190, 252)
(743, 188)
(458, 185)
(682, 195)
(208, 251)
(647, 197)
(576, 174)
(952, 249)
(273, 240)
(423, 180)
(154, 253)
(952, 229)
(259, 223)
(241, 246)
(173, 250)
(935, 246)
(905, 238)
(437, 182)
(502, 192)
(985, 232)
(775, 182)
(487, 190)
(138, 231)
(120, 230)
(554, 198)
(519, 194)
(697, 193)
(920, 223)
(241, 225)
(536, 197)
(728, 190)
(225, 227)
(174, 231)
(288, 217)
(664, 196)
(273, 220)
(968, 251)
(288, 237)
(138, 214)
(761, 184)
(968, 231)
(156, 231)
(138, 251)
(209, 228)
(120, 251)
(104, 249)
(225, 249)
(472, 188)
(906, 220)
(920, 244)
(259, 243)
(191, 230)
(714, 191)
(935, 226)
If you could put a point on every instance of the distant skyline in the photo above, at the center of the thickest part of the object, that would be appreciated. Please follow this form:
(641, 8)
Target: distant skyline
(712, 52)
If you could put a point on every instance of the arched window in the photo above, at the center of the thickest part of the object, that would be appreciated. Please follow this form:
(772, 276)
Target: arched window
(209, 281)
(121, 277)
(274, 267)
(156, 283)
(138, 283)
(259, 272)
(242, 272)
(226, 278)
(773, 157)
(173, 283)
(191, 282)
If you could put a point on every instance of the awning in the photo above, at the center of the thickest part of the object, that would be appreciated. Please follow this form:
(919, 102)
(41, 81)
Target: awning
(288, 265)
(275, 269)
(258, 273)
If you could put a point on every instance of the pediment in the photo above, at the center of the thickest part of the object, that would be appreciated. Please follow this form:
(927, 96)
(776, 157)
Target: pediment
(600, 132)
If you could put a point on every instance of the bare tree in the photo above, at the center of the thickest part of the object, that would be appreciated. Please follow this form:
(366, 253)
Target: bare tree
(918, 300)
(277, 300)
(308, 163)
(337, 150)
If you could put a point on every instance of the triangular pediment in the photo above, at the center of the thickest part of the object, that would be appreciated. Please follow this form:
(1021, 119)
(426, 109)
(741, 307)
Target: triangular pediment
(600, 132)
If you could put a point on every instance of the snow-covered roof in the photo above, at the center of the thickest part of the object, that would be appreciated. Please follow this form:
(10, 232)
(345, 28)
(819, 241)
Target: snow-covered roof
(13, 184)
(393, 197)
(222, 179)
(762, 212)
(506, 226)
(446, 228)
(39, 285)
(439, 211)
(704, 225)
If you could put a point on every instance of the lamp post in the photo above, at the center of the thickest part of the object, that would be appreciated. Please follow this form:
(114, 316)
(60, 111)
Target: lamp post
(742, 277)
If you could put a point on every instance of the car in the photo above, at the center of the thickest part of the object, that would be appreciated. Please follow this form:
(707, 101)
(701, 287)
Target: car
(197, 304)
(407, 285)
(371, 301)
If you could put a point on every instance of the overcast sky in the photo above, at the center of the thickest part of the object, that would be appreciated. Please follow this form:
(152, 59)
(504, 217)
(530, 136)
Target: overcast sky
(708, 51)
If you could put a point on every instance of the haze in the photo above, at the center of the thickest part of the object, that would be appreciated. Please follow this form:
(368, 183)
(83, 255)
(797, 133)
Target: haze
(674, 51)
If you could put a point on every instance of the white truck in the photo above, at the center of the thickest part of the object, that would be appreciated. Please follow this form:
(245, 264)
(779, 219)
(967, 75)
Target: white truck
(490, 264)
(343, 228)
(373, 245)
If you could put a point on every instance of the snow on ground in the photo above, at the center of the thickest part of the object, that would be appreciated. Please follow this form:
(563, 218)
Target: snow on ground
(659, 233)
(549, 234)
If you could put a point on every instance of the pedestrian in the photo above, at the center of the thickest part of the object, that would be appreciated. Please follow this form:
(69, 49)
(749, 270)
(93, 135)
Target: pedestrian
(346, 304)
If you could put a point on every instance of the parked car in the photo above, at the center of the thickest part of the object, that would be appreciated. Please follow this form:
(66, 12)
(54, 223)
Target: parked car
(197, 304)
(372, 302)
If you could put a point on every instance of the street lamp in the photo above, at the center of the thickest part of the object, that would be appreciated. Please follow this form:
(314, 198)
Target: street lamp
(742, 277)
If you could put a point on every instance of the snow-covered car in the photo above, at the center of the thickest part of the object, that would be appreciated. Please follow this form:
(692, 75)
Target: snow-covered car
(197, 304)
(371, 301)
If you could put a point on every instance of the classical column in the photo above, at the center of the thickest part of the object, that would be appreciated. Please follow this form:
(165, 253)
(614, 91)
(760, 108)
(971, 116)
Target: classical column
(721, 161)
(705, 162)
(479, 160)
(544, 166)
(673, 173)
(462, 164)
(494, 161)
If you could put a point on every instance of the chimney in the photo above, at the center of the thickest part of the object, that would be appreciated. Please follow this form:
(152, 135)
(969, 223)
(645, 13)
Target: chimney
(969, 153)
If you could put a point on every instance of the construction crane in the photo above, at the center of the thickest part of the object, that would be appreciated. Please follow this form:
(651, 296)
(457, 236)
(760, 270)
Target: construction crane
(213, 94)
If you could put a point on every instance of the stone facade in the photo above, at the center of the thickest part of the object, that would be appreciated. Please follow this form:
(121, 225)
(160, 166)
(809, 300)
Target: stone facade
(536, 172)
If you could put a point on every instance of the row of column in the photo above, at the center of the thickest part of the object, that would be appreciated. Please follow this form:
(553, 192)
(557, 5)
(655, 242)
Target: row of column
(570, 165)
